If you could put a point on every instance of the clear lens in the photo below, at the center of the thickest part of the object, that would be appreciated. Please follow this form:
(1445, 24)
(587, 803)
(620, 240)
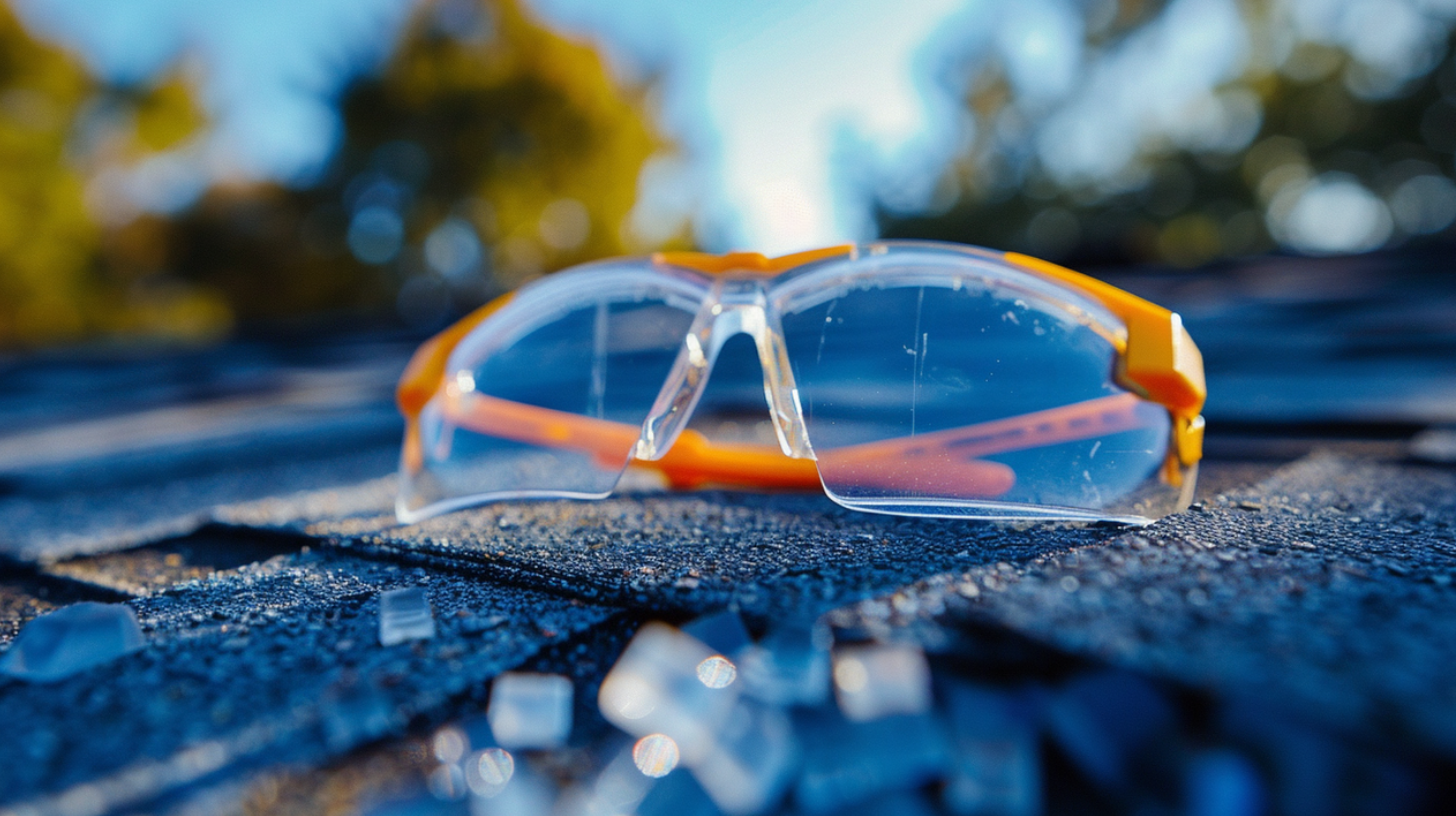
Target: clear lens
(548, 396)
(940, 383)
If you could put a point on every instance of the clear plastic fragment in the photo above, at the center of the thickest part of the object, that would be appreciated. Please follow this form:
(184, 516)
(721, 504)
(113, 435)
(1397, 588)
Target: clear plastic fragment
(619, 788)
(790, 666)
(654, 689)
(449, 744)
(752, 760)
(404, 615)
(530, 710)
(876, 681)
(70, 640)
(447, 783)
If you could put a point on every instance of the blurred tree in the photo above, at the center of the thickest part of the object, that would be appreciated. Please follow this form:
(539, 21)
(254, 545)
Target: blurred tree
(1339, 158)
(57, 129)
(487, 150)
(46, 237)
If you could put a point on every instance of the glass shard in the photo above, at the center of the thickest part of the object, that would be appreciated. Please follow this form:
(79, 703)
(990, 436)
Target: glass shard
(876, 681)
(70, 640)
(530, 710)
(405, 614)
(654, 689)
(790, 666)
(752, 760)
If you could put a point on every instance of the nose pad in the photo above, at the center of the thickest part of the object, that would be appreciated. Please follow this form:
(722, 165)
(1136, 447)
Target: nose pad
(734, 307)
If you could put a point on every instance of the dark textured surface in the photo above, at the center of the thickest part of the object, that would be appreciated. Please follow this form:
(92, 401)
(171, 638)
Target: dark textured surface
(53, 527)
(239, 499)
(763, 554)
(278, 662)
(102, 451)
(1327, 588)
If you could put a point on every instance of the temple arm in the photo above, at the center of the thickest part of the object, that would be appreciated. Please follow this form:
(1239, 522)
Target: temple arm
(945, 459)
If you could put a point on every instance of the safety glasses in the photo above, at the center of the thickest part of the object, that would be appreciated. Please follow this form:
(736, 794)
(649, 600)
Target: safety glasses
(907, 378)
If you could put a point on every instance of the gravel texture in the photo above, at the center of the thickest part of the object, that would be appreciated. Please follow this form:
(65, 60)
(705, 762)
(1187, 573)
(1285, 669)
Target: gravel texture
(239, 501)
(276, 663)
(1327, 587)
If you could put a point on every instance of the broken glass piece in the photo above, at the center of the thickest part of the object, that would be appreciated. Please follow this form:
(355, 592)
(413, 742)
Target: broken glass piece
(530, 710)
(752, 760)
(654, 689)
(488, 771)
(790, 666)
(405, 614)
(723, 632)
(846, 762)
(70, 640)
(655, 755)
(876, 681)
(618, 789)
(996, 768)
(524, 794)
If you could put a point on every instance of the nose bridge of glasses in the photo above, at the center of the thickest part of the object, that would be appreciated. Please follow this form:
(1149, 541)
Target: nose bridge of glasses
(736, 305)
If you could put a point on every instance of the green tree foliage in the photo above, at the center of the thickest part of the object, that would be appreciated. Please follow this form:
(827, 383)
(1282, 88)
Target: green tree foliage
(63, 274)
(1195, 206)
(46, 238)
(487, 150)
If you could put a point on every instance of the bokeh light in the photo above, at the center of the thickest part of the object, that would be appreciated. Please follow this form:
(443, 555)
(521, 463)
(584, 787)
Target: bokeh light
(717, 672)
(488, 772)
(655, 755)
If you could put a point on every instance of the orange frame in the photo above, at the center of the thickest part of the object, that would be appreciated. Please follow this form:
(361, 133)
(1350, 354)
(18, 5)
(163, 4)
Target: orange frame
(1159, 363)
